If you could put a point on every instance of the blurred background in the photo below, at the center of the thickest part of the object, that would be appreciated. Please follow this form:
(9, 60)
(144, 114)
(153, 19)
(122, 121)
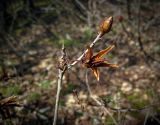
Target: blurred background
(31, 36)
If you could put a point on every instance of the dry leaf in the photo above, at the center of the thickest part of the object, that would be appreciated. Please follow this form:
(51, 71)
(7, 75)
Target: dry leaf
(96, 61)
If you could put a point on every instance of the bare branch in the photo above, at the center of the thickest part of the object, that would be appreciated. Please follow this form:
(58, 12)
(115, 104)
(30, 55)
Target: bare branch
(60, 77)
(61, 70)
(91, 45)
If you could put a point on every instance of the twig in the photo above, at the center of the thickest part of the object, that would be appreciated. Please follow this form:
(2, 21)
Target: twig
(98, 102)
(127, 109)
(81, 5)
(156, 119)
(60, 77)
(91, 45)
(63, 67)
(104, 28)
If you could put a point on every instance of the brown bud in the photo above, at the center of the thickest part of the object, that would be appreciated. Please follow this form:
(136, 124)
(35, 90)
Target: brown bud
(105, 25)
(120, 18)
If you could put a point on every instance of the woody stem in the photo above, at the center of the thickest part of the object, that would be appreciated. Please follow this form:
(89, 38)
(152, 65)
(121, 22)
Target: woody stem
(91, 45)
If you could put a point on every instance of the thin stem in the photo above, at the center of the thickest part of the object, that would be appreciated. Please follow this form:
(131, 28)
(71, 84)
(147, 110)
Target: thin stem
(61, 73)
(60, 77)
(91, 45)
(97, 101)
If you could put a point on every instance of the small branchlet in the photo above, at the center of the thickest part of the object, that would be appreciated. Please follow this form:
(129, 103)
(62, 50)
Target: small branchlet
(104, 28)
(62, 68)
(92, 62)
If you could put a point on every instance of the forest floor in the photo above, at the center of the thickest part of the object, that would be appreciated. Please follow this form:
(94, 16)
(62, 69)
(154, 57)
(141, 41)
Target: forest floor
(130, 92)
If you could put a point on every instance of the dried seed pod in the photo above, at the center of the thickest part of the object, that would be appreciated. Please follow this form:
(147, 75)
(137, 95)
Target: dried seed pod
(105, 25)
(96, 61)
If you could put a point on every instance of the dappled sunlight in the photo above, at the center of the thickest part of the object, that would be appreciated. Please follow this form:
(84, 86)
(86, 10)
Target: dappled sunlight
(126, 87)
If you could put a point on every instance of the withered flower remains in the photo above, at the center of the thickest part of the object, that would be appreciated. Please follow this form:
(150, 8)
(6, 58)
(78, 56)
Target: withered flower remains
(95, 61)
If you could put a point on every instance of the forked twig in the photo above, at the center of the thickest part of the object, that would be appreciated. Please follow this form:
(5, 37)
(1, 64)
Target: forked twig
(104, 28)
(61, 72)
